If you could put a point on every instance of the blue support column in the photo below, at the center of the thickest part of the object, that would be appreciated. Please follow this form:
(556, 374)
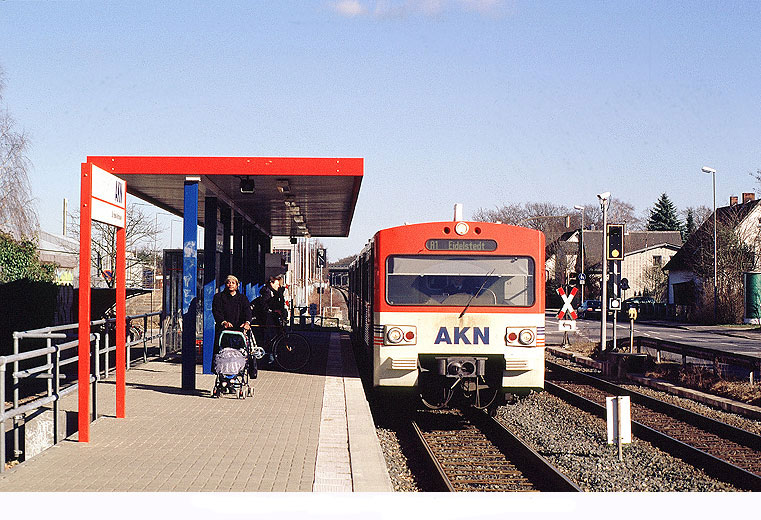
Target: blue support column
(248, 272)
(189, 283)
(226, 264)
(210, 278)
(238, 248)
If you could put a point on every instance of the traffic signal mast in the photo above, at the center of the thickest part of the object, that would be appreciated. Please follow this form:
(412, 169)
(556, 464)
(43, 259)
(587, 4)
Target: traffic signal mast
(614, 253)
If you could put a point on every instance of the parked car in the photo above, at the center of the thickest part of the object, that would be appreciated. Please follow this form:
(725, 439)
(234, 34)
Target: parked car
(643, 304)
(590, 309)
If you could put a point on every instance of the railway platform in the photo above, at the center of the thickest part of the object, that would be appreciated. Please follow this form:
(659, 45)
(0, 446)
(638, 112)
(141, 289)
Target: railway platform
(306, 432)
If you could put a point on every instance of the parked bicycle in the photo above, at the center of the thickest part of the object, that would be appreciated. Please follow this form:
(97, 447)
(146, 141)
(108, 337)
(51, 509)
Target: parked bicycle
(291, 351)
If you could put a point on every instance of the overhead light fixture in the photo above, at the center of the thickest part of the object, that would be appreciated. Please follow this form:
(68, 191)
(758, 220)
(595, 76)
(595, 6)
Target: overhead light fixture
(247, 185)
(283, 186)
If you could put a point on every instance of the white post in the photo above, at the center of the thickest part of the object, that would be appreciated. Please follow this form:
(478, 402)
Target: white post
(620, 428)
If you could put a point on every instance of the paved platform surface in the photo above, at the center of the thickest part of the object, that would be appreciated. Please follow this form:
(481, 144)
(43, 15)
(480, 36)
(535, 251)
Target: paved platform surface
(298, 432)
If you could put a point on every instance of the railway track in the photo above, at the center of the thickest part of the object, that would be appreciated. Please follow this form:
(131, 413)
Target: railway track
(727, 453)
(470, 451)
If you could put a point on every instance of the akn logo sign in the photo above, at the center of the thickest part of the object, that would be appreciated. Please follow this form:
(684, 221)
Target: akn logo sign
(463, 335)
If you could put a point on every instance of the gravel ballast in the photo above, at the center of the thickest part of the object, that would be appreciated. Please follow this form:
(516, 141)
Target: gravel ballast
(576, 443)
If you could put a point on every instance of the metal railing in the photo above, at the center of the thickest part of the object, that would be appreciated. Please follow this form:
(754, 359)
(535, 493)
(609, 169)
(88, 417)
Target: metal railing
(316, 321)
(716, 357)
(47, 363)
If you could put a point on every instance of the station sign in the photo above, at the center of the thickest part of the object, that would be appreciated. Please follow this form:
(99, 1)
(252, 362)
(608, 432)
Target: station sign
(109, 198)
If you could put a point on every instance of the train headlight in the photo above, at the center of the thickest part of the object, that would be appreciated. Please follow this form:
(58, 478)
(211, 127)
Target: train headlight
(394, 335)
(520, 337)
(399, 335)
(525, 337)
(461, 228)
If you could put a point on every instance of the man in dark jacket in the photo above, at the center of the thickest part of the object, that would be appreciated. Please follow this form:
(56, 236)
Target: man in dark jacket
(271, 308)
(231, 310)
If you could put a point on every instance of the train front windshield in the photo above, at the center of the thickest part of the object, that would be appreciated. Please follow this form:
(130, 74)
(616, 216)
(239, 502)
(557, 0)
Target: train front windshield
(436, 280)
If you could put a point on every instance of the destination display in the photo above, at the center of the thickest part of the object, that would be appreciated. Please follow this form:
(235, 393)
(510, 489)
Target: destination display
(460, 244)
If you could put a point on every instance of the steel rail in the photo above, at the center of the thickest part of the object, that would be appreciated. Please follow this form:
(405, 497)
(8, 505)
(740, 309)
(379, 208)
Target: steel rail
(523, 454)
(717, 467)
(699, 421)
(515, 465)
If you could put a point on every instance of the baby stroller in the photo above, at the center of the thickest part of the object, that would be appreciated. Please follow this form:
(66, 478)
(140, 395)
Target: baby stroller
(233, 365)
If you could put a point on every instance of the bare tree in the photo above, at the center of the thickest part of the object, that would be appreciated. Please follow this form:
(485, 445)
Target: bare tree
(507, 214)
(757, 176)
(550, 218)
(656, 282)
(619, 212)
(141, 234)
(18, 216)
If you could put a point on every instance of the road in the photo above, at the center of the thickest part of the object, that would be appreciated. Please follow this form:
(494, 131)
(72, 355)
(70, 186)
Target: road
(740, 342)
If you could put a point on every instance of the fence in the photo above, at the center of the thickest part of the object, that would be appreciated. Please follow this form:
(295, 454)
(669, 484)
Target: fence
(716, 357)
(50, 364)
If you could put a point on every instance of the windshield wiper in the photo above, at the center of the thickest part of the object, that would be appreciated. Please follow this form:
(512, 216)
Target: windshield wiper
(486, 279)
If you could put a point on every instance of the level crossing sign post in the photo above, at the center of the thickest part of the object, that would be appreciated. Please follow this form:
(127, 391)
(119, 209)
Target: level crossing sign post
(566, 324)
(102, 198)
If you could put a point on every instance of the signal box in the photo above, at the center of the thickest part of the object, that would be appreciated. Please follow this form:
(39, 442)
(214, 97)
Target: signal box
(614, 242)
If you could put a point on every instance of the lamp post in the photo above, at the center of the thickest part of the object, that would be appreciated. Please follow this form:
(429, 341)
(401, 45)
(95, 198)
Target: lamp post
(604, 202)
(581, 248)
(706, 169)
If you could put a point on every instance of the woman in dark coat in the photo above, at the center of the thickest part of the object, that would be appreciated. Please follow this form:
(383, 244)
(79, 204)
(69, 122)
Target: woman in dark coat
(231, 310)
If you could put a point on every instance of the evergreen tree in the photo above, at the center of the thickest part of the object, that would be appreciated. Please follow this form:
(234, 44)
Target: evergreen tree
(663, 217)
(689, 225)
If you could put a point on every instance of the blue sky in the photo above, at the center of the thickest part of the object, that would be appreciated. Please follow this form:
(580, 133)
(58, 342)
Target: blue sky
(482, 102)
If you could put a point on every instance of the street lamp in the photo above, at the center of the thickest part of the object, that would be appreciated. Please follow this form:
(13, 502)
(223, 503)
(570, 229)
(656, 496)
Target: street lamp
(604, 203)
(581, 247)
(706, 169)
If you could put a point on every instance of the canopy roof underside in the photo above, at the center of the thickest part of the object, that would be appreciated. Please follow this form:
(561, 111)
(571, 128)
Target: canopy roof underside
(292, 196)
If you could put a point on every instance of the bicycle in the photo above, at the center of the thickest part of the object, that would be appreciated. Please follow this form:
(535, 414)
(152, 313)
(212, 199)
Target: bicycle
(291, 351)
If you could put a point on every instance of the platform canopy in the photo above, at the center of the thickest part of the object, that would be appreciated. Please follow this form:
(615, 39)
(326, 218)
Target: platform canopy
(283, 196)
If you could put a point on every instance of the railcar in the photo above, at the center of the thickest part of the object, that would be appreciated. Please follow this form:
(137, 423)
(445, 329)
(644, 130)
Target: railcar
(452, 309)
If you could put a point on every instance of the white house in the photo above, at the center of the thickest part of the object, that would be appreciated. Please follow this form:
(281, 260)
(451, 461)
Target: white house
(743, 218)
(642, 250)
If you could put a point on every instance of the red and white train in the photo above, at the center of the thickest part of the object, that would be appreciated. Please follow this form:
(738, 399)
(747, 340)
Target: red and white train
(452, 309)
